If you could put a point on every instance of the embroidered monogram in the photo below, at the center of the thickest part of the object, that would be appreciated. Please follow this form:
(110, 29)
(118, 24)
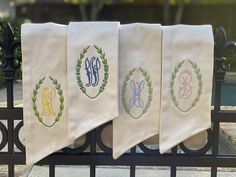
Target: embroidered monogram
(92, 68)
(185, 85)
(136, 89)
(185, 89)
(48, 95)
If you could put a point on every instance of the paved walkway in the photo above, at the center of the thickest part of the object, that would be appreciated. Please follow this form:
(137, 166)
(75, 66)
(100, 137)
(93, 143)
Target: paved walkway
(83, 171)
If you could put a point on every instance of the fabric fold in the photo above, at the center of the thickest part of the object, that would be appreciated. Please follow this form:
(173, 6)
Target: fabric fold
(139, 80)
(92, 75)
(44, 89)
(187, 70)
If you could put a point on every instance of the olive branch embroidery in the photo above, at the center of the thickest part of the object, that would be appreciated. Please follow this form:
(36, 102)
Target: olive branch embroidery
(78, 67)
(125, 83)
(150, 91)
(172, 81)
(61, 100)
(198, 74)
(105, 67)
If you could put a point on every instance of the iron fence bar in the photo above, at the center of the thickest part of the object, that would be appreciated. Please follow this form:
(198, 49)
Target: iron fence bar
(51, 170)
(11, 113)
(215, 147)
(173, 171)
(173, 167)
(132, 167)
(223, 116)
(220, 116)
(10, 125)
(11, 170)
(214, 171)
(93, 145)
(9, 72)
(132, 171)
(127, 160)
(142, 160)
(217, 103)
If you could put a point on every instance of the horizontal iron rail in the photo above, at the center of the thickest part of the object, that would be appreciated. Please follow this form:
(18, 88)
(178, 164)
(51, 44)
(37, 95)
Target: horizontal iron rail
(218, 116)
(127, 160)
(11, 113)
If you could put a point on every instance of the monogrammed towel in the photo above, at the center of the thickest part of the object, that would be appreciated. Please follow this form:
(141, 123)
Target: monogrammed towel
(44, 89)
(187, 68)
(140, 79)
(92, 75)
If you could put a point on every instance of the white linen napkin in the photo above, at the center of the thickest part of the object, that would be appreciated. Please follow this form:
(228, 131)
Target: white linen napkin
(44, 89)
(140, 79)
(187, 69)
(92, 75)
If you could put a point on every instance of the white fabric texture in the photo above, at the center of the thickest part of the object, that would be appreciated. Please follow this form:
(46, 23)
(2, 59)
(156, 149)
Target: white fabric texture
(139, 80)
(92, 75)
(44, 89)
(187, 70)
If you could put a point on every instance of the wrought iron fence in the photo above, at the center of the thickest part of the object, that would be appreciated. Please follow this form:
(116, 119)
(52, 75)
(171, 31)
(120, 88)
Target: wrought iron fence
(208, 156)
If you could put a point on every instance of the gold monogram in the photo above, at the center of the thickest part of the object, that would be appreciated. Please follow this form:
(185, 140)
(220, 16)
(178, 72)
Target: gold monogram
(47, 98)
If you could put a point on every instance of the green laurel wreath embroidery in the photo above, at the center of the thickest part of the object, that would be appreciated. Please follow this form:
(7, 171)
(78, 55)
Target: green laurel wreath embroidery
(61, 99)
(150, 91)
(125, 83)
(105, 67)
(197, 71)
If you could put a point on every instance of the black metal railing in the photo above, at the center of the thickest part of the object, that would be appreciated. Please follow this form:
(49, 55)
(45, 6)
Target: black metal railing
(208, 156)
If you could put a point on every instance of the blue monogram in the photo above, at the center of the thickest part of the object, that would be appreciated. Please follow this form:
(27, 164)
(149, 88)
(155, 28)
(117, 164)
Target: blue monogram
(92, 67)
(137, 88)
